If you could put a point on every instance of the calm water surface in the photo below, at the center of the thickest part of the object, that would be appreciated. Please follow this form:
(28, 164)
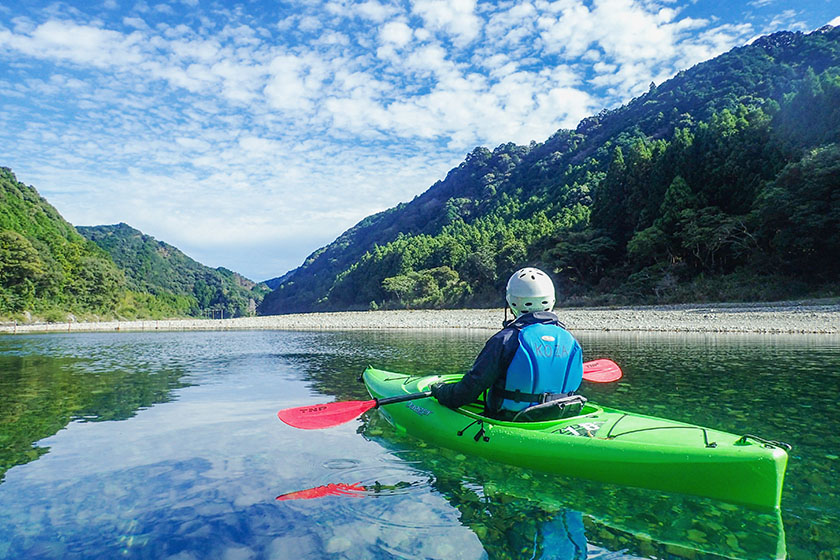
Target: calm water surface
(167, 445)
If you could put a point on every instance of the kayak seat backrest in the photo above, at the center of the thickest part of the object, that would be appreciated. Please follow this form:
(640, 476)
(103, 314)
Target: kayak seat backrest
(565, 407)
(547, 365)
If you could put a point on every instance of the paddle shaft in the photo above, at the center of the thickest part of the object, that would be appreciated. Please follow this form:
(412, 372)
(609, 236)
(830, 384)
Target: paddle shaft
(333, 414)
(595, 366)
(403, 398)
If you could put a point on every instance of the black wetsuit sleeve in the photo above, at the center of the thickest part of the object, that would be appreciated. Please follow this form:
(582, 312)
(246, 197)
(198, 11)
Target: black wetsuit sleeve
(484, 372)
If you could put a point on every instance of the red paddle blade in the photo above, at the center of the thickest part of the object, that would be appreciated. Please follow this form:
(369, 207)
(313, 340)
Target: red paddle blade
(318, 416)
(339, 489)
(601, 371)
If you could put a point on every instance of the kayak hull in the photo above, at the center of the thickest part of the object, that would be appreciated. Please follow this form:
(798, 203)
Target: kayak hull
(601, 444)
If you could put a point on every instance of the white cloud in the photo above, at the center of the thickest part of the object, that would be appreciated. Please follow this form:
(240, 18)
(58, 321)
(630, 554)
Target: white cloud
(292, 85)
(240, 82)
(787, 20)
(164, 9)
(431, 60)
(135, 22)
(631, 43)
(333, 38)
(375, 11)
(396, 33)
(193, 144)
(370, 10)
(570, 33)
(309, 24)
(81, 44)
(455, 17)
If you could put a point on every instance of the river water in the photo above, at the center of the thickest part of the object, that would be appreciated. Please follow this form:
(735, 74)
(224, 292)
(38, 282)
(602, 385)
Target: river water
(167, 445)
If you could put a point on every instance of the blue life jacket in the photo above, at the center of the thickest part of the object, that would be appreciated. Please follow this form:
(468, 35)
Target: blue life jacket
(547, 365)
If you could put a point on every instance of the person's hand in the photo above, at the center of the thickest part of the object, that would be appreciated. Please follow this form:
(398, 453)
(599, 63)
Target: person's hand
(435, 388)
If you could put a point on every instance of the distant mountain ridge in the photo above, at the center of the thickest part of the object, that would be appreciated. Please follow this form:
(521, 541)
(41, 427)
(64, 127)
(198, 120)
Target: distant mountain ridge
(156, 267)
(456, 243)
(272, 283)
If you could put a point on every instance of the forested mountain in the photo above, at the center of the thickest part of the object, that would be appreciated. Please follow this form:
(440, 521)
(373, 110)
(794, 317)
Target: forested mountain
(49, 269)
(721, 183)
(157, 268)
(45, 265)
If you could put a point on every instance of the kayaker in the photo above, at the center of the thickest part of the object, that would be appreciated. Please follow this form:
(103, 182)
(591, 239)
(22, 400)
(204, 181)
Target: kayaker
(532, 361)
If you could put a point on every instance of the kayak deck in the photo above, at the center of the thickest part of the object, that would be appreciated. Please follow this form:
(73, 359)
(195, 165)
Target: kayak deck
(601, 444)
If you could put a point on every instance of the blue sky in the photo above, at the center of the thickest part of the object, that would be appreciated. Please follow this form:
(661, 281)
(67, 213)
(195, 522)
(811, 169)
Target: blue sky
(249, 134)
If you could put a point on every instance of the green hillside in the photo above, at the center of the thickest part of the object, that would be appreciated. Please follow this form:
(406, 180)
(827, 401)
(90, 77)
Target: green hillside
(46, 267)
(721, 183)
(157, 268)
(49, 270)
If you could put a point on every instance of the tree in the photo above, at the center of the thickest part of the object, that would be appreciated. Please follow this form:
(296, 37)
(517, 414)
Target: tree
(510, 257)
(19, 261)
(480, 266)
(401, 286)
(712, 238)
(98, 284)
(20, 269)
(434, 287)
(799, 215)
(678, 197)
(648, 247)
(581, 256)
(609, 205)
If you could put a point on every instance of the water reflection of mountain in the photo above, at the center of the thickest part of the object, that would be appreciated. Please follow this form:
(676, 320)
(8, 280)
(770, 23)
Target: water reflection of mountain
(516, 511)
(41, 394)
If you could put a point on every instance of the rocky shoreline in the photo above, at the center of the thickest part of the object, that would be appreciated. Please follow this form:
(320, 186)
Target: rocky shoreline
(782, 317)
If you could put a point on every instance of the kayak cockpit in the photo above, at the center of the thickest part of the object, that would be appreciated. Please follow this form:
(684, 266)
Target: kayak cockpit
(475, 410)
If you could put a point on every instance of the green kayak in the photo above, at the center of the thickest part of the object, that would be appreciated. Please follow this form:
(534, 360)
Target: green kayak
(602, 444)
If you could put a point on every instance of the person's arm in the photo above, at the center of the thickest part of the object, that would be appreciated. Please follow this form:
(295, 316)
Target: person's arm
(482, 375)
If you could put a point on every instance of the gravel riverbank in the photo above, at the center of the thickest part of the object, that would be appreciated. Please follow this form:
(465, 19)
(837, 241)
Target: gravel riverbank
(784, 317)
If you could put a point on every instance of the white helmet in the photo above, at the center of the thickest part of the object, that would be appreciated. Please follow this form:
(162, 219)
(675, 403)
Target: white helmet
(529, 289)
